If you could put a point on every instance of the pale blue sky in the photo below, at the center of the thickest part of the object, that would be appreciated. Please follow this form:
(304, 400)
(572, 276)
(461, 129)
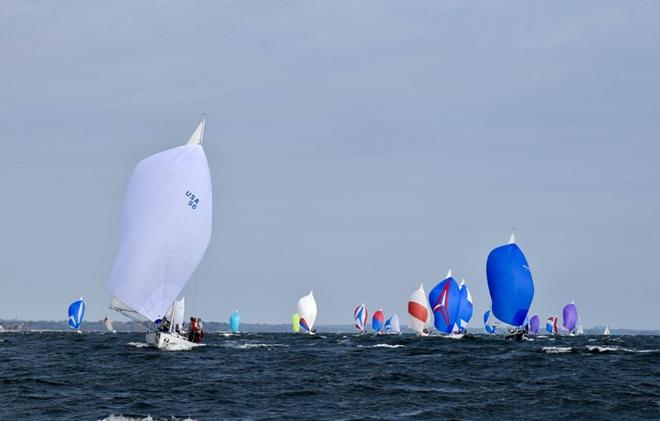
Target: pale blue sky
(356, 148)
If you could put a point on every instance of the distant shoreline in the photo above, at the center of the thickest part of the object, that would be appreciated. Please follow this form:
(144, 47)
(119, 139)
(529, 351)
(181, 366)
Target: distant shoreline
(129, 326)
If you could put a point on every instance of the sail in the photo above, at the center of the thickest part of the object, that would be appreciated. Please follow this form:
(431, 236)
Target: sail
(307, 311)
(295, 321)
(108, 324)
(569, 317)
(378, 321)
(234, 321)
(534, 324)
(176, 313)
(418, 310)
(444, 302)
(76, 313)
(465, 307)
(166, 227)
(607, 331)
(392, 324)
(579, 330)
(360, 315)
(488, 327)
(509, 283)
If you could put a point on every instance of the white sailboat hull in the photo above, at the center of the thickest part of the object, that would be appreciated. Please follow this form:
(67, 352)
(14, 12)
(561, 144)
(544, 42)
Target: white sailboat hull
(169, 341)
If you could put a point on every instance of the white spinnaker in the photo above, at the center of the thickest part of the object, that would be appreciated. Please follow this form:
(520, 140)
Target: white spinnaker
(108, 323)
(396, 327)
(307, 309)
(166, 227)
(417, 322)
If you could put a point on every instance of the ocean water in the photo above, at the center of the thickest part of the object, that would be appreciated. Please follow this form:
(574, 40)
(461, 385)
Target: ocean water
(63, 376)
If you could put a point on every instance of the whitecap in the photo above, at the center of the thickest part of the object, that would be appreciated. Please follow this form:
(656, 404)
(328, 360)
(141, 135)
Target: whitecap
(382, 346)
(114, 417)
(254, 345)
(597, 348)
(137, 345)
(557, 349)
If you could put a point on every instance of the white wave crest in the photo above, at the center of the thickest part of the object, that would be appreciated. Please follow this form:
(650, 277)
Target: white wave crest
(382, 346)
(557, 349)
(114, 417)
(597, 348)
(254, 345)
(137, 345)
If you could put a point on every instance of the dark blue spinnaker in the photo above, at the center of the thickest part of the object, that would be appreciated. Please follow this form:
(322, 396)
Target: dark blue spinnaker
(510, 284)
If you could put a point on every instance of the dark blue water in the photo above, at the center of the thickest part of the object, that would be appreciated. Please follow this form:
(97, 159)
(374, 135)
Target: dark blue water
(334, 376)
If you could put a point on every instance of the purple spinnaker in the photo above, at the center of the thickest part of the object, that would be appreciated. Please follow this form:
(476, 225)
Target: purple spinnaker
(534, 324)
(570, 316)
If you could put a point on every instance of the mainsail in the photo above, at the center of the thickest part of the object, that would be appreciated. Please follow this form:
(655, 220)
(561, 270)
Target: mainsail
(418, 310)
(509, 283)
(234, 321)
(360, 315)
(569, 317)
(76, 313)
(378, 321)
(307, 311)
(444, 301)
(607, 331)
(176, 313)
(534, 324)
(166, 227)
(465, 307)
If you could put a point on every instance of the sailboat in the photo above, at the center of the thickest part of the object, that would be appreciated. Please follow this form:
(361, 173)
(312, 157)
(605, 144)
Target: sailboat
(534, 324)
(295, 322)
(551, 325)
(360, 315)
(166, 227)
(418, 311)
(392, 325)
(307, 311)
(607, 331)
(378, 322)
(570, 318)
(234, 321)
(444, 301)
(465, 308)
(510, 286)
(108, 325)
(76, 314)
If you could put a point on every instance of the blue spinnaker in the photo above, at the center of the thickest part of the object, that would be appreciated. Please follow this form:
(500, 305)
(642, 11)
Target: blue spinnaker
(76, 313)
(444, 302)
(488, 328)
(465, 308)
(234, 321)
(510, 284)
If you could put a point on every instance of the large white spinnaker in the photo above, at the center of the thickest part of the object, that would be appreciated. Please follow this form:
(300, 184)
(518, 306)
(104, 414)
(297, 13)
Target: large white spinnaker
(307, 312)
(418, 310)
(166, 227)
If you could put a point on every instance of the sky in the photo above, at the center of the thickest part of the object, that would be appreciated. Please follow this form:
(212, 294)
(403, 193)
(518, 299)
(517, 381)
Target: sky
(356, 149)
